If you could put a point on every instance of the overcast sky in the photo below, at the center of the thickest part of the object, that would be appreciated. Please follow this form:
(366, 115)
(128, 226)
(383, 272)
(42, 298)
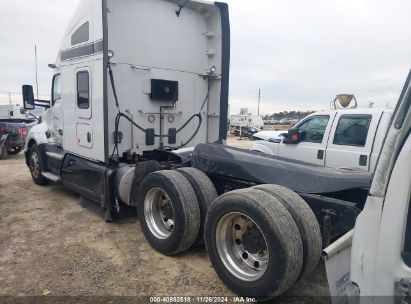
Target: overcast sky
(300, 53)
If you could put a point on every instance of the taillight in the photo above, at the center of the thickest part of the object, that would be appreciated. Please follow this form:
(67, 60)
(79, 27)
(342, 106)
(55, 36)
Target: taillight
(23, 133)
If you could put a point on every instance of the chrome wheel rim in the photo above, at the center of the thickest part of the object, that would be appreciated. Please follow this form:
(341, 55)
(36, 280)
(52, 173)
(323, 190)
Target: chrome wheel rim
(242, 246)
(35, 165)
(159, 213)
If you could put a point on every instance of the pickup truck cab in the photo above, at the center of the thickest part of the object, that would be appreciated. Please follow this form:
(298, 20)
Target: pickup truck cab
(350, 138)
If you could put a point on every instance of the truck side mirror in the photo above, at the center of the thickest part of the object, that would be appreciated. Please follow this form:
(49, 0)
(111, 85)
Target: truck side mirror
(28, 97)
(295, 136)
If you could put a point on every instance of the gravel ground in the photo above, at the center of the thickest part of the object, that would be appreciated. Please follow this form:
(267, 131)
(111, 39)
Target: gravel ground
(51, 245)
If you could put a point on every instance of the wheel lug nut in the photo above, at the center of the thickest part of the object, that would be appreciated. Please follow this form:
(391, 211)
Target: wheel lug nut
(256, 264)
(238, 242)
(237, 227)
(245, 255)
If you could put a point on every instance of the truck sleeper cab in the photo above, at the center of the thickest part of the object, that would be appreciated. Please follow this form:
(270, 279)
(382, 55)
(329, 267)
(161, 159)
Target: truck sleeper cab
(125, 85)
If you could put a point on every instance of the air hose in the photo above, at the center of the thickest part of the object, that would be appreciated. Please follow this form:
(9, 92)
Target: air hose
(122, 115)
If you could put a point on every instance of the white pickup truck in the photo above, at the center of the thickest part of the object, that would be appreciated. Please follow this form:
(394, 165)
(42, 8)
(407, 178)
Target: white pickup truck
(350, 138)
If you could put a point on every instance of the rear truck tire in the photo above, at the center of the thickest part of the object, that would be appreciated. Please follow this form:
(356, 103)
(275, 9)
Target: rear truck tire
(253, 243)
(206, 194)
(306, 222)
(12, 150)
(3, 152)
(168, 212)
(36, 166)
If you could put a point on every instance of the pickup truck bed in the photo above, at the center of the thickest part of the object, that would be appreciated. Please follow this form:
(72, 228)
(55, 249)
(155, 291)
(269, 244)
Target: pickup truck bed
(16, 129)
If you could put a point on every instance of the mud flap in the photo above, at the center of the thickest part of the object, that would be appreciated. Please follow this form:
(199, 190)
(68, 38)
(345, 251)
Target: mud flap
(337, 259)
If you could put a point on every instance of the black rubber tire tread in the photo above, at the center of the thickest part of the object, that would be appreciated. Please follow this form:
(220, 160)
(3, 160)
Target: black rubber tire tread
(3, 152)
(307, 224)
(281, 234)
(186, 211)
(206, 194)
(41, 180)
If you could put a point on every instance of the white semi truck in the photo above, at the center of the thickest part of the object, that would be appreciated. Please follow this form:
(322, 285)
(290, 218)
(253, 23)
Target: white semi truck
(138, 116)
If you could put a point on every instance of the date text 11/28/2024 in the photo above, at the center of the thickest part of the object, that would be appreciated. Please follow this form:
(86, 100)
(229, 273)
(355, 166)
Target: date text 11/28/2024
(202, 300)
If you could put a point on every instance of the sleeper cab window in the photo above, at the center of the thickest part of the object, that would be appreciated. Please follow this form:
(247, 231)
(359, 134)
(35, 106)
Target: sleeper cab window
(83, 90)
(352, 130)
(81, 35)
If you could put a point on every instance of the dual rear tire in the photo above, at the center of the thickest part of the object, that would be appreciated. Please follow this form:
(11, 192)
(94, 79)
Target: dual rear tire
(262, 240)
(172, 206)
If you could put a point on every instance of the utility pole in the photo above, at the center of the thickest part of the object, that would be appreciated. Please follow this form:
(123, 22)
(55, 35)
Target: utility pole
(9, 98)
(259, 101)
(37, 82)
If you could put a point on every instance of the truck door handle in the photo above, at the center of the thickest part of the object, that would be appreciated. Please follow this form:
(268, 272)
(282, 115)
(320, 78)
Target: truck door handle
(320, 154)
(88, 137)
(363, 160)
(61, 132)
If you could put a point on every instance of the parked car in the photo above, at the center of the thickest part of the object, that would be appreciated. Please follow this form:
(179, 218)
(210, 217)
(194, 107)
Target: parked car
(338, 138)
(245, 132)
(285, 121)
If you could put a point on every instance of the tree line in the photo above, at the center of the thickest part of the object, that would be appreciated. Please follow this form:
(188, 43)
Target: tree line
(286, 114)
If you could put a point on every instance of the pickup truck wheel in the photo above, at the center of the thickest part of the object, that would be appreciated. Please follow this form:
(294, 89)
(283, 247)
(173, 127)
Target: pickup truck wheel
(36, 166)
(205, 192)
(3, 152)
(168, 212)
(306, 222)
(253, 243)
(12, 150)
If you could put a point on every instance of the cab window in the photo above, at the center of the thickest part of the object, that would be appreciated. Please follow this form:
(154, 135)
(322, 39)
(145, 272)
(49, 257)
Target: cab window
(83, 90)
(57, 88)
(352, 130)
(314, 128)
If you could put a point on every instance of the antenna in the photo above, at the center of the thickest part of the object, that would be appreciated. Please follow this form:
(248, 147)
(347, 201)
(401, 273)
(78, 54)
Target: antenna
(37, 82)
(259, 101)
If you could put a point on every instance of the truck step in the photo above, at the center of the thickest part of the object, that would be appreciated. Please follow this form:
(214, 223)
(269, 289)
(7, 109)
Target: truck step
(52, 177)
(54, 155)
